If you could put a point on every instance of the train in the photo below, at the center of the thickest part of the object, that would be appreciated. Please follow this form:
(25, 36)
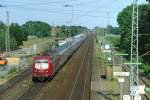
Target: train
(46, 64)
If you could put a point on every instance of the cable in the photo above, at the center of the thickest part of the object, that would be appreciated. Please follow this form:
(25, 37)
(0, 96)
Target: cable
(36, 3)
(84, 3)
(78, 17)
(52, 3)
(48, 11)
(35, 9)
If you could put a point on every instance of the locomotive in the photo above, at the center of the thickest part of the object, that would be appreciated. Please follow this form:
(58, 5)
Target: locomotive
(46, 64)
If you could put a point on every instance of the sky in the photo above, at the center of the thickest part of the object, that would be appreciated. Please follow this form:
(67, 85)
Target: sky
(89, 13)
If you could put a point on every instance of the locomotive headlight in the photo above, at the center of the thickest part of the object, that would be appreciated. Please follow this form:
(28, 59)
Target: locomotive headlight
(41, 66)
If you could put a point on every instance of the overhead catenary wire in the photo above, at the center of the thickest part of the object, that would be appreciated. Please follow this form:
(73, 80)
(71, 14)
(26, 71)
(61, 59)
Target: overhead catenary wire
(51, 11)
(88, 12)
(51, 3)
(38, 3)
(78, 13)
(74, 10)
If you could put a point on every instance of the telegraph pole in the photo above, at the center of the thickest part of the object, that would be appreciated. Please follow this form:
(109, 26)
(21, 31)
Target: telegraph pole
(0, 4)
(72, 13)
(108, 23)
(53, 33)
(7, 36)
(8, 31)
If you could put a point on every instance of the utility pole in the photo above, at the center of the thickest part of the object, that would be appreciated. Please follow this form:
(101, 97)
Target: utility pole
(72, 13)
(0, 4)
(53, 33)
(7, 36)
(134, 52)
(108, 31)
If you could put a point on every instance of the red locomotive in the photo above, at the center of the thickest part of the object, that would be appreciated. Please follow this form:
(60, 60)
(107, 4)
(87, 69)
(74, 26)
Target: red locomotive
(46, 64)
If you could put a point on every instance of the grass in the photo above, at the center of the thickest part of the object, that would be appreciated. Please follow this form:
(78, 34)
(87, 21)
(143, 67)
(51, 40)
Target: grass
(32, 41)
(12, 72)
(113, 39)
(41, 43)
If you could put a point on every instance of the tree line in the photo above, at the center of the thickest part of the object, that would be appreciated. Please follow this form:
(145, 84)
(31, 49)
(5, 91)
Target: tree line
(108, 30)
(19, 33)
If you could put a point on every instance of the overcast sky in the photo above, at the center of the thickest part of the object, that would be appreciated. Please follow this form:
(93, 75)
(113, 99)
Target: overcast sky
(89, 13)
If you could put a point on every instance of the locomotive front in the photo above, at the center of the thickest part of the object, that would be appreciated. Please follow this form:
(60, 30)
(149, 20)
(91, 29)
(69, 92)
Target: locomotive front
(41, 68)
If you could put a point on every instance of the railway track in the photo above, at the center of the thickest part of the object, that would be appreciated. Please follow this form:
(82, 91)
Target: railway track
(81, 87)
(12, 83)
(32, 91)
(77, 89)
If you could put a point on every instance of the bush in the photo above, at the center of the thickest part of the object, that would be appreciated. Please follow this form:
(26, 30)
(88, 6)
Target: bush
(145, 70)
(12, 70)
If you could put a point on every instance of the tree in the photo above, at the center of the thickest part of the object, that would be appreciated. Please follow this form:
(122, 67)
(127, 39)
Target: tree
(16, 33)
(2, 41)
(148, 1)
(113, 30)
(13, 42)
(125, 22)
(37, 28)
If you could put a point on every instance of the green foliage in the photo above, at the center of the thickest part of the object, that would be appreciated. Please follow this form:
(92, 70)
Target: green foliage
(108, 30)
(13, 42)
(2, 41)
(148, 1)
(16, 33)
(144, 28)
(114, 40)
(37, 28)
(113, 30)
(12, 70)
(69, 31)
(125, 23)
(2, 26)
(145, 70)
(100, 31)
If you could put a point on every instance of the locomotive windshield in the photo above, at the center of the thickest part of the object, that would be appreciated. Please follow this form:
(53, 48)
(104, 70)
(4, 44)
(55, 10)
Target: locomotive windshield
(41, 64)
(41, 61)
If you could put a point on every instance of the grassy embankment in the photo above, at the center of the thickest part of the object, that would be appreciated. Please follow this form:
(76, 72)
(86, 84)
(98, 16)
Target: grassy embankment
(111, 87)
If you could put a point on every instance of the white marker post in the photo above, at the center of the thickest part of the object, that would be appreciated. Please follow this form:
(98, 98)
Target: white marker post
(121, 81)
